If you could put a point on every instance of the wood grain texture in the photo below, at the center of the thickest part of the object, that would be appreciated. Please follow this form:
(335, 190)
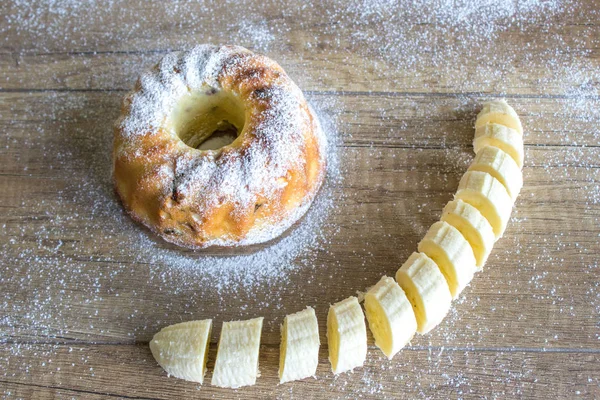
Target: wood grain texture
(445, 372)
(527, 327)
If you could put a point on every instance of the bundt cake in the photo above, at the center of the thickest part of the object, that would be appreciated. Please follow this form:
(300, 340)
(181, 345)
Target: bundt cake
(217, 146)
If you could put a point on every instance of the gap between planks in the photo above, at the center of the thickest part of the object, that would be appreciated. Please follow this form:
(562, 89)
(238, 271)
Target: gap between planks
(345, 93)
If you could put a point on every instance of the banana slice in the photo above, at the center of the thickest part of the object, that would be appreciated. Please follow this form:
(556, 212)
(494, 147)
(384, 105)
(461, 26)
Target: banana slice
(182, 349)
(473, 226)
(502, 167)
(427, 290)
(237, 355)
(499, 112)
(508, 140)
(346, 335)
(445, 245)
(390, 315)
(299, 352)
(489, 196)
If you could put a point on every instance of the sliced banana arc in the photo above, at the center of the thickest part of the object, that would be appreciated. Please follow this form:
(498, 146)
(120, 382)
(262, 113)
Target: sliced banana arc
(453, 254)
(502, 137)
(473, 226)
(501, 166)
(499, 112)
(346, 335)
(489, 196)
(391, 317)
(299, 351)
(237, 355)
(182, 349)
(427, 290)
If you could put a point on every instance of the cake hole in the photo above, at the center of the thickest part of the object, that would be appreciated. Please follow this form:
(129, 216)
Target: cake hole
(208, 119)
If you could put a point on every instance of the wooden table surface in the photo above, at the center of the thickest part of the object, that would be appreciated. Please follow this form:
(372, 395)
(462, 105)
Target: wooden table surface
(83, 289)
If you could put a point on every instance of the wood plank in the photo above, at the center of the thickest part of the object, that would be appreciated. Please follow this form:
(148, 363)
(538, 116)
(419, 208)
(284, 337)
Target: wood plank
(318, 54)
(384, 121)
(312, 72)
(135, 27)
(130, 372)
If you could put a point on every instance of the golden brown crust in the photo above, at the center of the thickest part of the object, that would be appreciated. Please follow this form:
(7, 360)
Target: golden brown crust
(247, 192)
